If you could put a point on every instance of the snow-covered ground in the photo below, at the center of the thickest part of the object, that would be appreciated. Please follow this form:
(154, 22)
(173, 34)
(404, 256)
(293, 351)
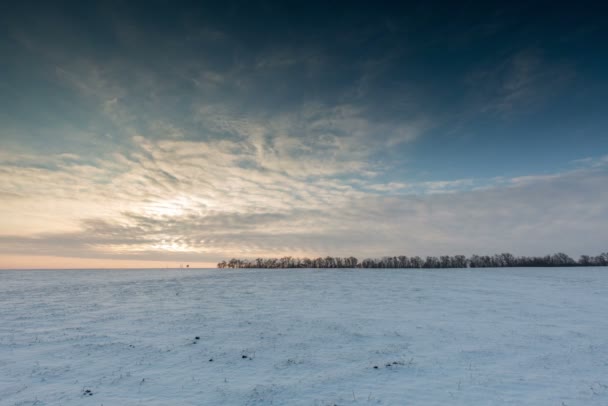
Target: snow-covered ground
(304, 337)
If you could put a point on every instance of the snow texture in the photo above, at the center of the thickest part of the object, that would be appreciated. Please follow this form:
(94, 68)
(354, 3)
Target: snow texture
(304, 337)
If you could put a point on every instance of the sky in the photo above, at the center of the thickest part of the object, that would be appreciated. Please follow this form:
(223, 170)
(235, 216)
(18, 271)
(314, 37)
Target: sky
(154, 134)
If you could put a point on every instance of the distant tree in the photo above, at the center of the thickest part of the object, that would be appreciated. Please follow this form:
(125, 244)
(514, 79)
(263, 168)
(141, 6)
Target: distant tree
(585, 260)
(460, 261)
(402, 261)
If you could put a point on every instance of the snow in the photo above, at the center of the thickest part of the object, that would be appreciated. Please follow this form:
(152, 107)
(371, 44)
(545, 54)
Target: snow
(311, 337)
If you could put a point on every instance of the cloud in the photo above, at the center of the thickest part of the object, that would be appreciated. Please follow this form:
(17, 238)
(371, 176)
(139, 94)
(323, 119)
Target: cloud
(523, 81)
(183, 200)
(180, 134)
(429, 187)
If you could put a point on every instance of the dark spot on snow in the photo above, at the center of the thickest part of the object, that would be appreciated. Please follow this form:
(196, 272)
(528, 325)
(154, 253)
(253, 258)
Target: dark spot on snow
(197, 338)
(88, 393)
(394, 363)
(244, 356)
(210, 359)
(375, 366)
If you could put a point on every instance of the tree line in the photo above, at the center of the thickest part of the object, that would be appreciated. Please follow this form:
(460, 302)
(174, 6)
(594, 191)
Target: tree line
(402, 261)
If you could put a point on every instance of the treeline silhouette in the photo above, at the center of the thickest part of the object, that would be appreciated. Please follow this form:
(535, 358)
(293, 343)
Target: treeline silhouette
(402, 261)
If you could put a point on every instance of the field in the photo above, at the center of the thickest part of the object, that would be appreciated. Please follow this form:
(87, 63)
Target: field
(304, 337)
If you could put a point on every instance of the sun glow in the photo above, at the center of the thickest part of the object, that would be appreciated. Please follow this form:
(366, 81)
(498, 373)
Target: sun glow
(171, 207)
(162, 245)
(170, 246)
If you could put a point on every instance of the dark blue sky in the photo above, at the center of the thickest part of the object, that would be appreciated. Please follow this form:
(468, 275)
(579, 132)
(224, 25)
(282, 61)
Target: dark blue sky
(268, 109)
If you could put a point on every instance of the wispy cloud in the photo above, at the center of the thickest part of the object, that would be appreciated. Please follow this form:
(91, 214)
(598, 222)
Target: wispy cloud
(523, 81)
(175, 133)
(178, 199)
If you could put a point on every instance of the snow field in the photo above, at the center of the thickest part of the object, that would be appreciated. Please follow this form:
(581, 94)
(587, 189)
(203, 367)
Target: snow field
(305, 337)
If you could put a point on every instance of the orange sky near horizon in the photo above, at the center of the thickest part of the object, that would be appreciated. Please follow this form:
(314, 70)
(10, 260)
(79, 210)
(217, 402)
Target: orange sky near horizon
(52, 262)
